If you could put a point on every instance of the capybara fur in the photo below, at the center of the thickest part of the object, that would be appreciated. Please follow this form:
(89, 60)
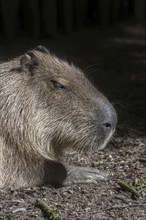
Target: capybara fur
(47, 107)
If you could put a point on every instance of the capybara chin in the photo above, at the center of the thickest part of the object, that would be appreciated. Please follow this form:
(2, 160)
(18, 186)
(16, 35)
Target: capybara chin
(47, 106)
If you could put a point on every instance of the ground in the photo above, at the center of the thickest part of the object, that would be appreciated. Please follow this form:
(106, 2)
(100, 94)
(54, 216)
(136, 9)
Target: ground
(114, 58)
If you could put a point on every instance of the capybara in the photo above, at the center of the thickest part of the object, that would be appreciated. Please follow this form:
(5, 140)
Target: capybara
(47, 107)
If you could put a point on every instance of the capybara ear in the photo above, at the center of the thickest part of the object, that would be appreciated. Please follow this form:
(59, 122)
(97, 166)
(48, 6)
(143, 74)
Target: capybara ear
(29, 61)
(42, 49)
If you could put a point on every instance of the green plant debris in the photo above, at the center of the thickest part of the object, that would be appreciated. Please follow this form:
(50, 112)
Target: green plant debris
(136, 182)
(96, 164)
(128, 187)
(49, 212)
(143, 185)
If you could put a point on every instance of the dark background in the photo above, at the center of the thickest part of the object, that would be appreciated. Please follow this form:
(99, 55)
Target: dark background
(106, 38)
(46, 19)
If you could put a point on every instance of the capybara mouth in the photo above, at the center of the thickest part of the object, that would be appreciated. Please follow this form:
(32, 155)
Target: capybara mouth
(90, 143)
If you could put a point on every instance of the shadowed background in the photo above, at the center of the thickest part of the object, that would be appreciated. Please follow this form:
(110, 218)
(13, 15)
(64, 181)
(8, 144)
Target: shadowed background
(106, 38)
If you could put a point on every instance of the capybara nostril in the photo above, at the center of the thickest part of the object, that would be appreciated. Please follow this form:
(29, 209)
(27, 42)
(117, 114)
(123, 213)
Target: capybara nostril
(110, 117)
(107, 125)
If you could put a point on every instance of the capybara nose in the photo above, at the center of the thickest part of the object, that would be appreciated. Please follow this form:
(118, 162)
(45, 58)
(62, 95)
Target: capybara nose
(109, 124)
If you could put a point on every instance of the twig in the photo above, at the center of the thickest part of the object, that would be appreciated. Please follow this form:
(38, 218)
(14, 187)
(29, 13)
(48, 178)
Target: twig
(119, 207)
(142, 159)
(50, 213)
(128, 187)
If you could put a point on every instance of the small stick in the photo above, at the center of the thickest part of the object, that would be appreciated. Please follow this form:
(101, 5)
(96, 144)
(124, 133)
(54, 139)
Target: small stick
(129, 188)
(142, 159)
(118, 207)
(50, 213)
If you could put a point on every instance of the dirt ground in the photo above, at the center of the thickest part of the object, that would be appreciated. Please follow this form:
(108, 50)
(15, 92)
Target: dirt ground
(115, 60)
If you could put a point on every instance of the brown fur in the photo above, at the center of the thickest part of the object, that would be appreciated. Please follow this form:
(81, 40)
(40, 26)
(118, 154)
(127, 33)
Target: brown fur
(47, 106)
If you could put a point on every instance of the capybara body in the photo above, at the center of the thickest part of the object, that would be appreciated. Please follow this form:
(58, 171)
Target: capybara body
(47, 106)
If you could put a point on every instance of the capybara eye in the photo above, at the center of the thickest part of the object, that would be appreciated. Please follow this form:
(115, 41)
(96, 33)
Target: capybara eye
(59, 86)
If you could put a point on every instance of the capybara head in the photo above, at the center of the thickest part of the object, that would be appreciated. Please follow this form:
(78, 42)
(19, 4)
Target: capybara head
(50, 106)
